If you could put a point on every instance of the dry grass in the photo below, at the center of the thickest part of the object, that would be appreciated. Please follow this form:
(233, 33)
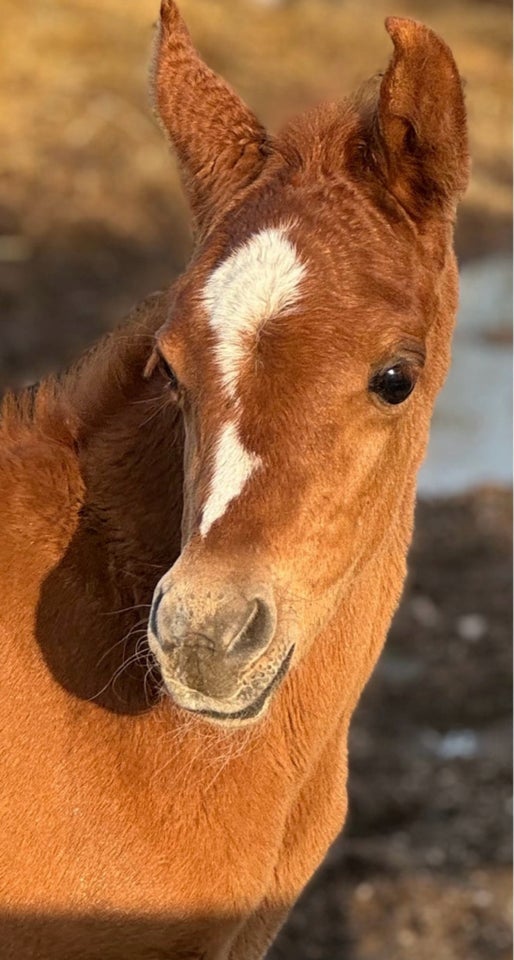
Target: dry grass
(78, 140)
(91, 212)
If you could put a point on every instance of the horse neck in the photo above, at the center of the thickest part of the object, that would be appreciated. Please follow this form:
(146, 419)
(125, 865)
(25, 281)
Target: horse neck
(322, 693)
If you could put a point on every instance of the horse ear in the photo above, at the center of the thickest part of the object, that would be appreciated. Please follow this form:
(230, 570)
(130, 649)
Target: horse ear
(421, 123)
(220, 145)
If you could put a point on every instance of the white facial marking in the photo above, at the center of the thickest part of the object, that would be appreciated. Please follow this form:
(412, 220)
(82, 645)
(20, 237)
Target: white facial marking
(260, 280)
(255, 283)
(233, 465)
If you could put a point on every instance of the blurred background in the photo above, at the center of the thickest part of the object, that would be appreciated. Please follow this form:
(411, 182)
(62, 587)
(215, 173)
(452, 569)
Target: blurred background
(92, 219)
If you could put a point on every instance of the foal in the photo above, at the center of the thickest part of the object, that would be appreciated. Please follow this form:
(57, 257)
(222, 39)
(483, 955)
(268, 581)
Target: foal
(248, 442)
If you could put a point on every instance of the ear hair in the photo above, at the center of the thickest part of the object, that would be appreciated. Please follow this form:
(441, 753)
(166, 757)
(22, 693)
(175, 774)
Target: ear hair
(220, 145)
(417, 139)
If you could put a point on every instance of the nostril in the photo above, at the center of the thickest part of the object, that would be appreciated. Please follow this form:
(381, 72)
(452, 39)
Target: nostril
(256, 632)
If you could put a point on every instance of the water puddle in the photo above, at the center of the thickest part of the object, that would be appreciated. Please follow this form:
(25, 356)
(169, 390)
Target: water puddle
(471, 440)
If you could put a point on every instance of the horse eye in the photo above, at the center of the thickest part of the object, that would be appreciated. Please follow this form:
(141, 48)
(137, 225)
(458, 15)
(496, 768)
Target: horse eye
(167, 372)
(393, 384)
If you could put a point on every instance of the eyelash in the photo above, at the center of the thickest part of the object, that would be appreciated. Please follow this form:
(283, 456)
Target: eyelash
(168, 373)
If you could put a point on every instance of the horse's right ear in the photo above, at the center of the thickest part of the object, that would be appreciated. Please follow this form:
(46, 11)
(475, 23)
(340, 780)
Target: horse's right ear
(419, 144)
(220, 145)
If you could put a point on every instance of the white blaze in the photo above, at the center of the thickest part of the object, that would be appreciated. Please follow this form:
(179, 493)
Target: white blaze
(258, 281)
(255, 283)
(233, 464)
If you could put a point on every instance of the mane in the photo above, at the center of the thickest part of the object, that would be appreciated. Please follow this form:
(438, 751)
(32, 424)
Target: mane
(321, 135)
(65, 407)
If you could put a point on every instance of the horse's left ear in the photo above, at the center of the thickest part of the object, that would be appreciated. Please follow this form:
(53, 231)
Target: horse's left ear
(220, 145)
(420, 124)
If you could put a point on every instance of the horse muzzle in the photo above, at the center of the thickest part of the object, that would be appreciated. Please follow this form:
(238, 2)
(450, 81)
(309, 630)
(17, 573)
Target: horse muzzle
(215, 649)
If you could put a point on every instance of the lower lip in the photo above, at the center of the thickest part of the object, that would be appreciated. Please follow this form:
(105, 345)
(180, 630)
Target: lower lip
(253, 709)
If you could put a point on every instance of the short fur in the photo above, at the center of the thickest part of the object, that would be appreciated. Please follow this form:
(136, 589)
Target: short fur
(131, 827)
(232, 468)
(256, 283)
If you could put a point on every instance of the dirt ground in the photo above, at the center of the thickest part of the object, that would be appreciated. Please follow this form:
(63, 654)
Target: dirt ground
(91, 219)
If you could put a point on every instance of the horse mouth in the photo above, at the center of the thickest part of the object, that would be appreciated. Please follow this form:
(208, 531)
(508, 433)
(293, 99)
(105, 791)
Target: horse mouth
(252, 710)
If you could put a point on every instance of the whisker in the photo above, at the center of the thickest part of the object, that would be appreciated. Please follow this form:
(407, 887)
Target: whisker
(157, 412)
(136, 606)
(123, 639)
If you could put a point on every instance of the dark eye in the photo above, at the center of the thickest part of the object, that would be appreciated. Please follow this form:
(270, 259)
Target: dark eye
(394, 383)
(167, 372)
